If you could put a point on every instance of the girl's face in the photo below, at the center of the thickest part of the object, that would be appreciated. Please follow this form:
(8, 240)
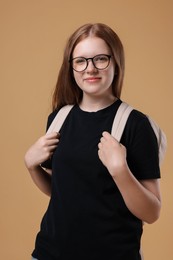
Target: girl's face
(92, 81)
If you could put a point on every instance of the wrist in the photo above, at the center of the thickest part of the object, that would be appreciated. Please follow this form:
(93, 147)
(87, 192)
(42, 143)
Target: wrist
(29, 164)
(31, 167)
(119, 170)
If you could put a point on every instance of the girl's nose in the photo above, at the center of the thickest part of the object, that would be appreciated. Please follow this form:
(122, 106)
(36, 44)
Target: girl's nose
(91, 66)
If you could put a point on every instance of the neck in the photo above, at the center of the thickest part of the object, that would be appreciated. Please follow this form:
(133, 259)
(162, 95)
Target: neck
(91, 104)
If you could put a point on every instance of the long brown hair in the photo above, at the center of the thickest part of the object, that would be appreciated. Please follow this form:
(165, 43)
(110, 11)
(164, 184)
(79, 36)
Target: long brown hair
(66, 90)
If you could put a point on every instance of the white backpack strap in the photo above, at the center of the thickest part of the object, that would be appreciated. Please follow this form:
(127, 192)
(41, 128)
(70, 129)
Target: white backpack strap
(59, 119)
(120, 120)
(161, 139)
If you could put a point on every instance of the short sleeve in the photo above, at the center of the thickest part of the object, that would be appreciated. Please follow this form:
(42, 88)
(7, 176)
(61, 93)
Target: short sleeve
(142, 147)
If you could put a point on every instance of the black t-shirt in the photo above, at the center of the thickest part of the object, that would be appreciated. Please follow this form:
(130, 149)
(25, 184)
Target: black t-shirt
(87, 218)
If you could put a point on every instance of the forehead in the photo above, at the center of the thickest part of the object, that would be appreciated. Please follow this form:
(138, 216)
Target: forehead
(91, 46)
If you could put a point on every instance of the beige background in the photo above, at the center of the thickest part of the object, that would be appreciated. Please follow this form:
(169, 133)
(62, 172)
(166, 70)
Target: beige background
(32, 38)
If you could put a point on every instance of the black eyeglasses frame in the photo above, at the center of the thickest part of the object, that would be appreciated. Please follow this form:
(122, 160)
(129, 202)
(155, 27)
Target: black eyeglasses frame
(92, 59)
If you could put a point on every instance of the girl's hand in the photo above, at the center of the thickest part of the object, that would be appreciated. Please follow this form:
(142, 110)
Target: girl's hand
(41, 150)
(112, 154)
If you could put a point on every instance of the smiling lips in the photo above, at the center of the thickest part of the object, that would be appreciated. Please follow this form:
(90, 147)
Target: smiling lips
(92, 79)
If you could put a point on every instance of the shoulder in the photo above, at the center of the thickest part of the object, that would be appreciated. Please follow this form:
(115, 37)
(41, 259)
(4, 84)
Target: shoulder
(138, 127)
(51, 117)
(138, 120)
(135, 117)
(62, 112)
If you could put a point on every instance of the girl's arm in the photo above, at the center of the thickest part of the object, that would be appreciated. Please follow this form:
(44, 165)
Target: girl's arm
(141, 198)
(38, 153)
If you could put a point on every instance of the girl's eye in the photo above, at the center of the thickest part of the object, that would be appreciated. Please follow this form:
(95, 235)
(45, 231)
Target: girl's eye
(80, 61)
(101, 58)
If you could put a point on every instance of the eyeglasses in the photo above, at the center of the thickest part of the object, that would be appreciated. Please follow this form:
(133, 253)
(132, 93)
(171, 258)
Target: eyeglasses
(100, 62)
